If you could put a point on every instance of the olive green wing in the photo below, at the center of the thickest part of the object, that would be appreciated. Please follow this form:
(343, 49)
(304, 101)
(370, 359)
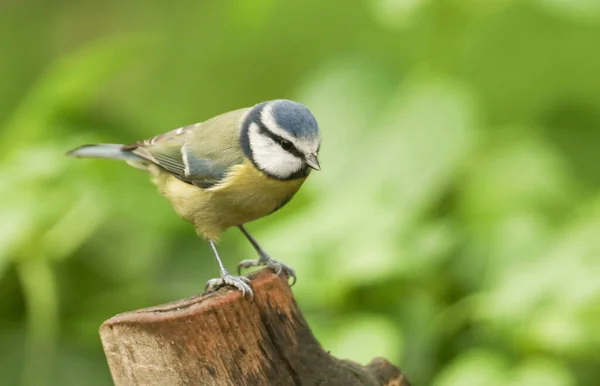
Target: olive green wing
(199, 154)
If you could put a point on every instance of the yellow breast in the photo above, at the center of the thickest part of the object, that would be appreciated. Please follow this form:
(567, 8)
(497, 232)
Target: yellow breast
(244, 195)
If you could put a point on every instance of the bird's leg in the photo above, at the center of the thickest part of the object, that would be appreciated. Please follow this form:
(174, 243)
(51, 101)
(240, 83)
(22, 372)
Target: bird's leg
(264, 259)
(240, 282)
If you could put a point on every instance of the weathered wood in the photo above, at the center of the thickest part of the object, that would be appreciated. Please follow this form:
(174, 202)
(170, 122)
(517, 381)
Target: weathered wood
(222, 339)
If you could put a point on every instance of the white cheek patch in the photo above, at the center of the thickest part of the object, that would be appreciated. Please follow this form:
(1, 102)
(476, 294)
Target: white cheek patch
(270, 157)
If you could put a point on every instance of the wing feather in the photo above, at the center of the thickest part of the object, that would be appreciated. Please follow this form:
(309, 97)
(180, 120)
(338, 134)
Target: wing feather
(199, 154)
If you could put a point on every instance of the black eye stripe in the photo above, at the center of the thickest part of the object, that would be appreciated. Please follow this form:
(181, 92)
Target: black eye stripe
(285, 144)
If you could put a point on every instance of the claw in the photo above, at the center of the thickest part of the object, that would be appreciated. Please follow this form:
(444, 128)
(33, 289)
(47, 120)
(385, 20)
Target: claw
(247, 264)
(269, 263)
(240, 282)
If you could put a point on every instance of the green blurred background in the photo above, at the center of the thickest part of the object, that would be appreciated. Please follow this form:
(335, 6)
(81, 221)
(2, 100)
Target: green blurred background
(454, 228)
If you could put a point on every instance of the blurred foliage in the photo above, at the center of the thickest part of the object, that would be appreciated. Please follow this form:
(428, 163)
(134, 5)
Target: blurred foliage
(453, 229)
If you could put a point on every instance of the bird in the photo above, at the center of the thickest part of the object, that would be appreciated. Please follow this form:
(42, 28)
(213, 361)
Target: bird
(227, 171)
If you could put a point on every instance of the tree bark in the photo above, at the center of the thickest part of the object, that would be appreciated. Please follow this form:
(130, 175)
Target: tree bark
(221, 339)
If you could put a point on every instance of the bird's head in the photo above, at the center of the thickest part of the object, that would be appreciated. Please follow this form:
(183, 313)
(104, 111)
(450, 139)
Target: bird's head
(282, 139)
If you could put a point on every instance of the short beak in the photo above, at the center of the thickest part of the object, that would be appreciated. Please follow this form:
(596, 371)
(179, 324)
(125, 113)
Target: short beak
(312, 161)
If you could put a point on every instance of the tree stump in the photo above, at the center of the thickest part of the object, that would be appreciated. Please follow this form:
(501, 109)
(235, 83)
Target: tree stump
(222, 339)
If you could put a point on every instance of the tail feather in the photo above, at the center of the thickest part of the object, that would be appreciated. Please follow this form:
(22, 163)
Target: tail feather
(105, 151)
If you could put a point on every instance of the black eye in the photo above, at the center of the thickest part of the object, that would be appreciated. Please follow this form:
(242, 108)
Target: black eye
(286, 145)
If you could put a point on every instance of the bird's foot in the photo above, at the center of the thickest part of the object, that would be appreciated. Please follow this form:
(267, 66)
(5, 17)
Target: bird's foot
(242, 283)
(266, 261)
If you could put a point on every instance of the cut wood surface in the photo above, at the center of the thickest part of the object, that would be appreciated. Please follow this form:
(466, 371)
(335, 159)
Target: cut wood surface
(223, 339)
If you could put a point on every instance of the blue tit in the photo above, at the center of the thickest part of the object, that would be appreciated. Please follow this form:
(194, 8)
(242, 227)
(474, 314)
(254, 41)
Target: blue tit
(229, 170)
